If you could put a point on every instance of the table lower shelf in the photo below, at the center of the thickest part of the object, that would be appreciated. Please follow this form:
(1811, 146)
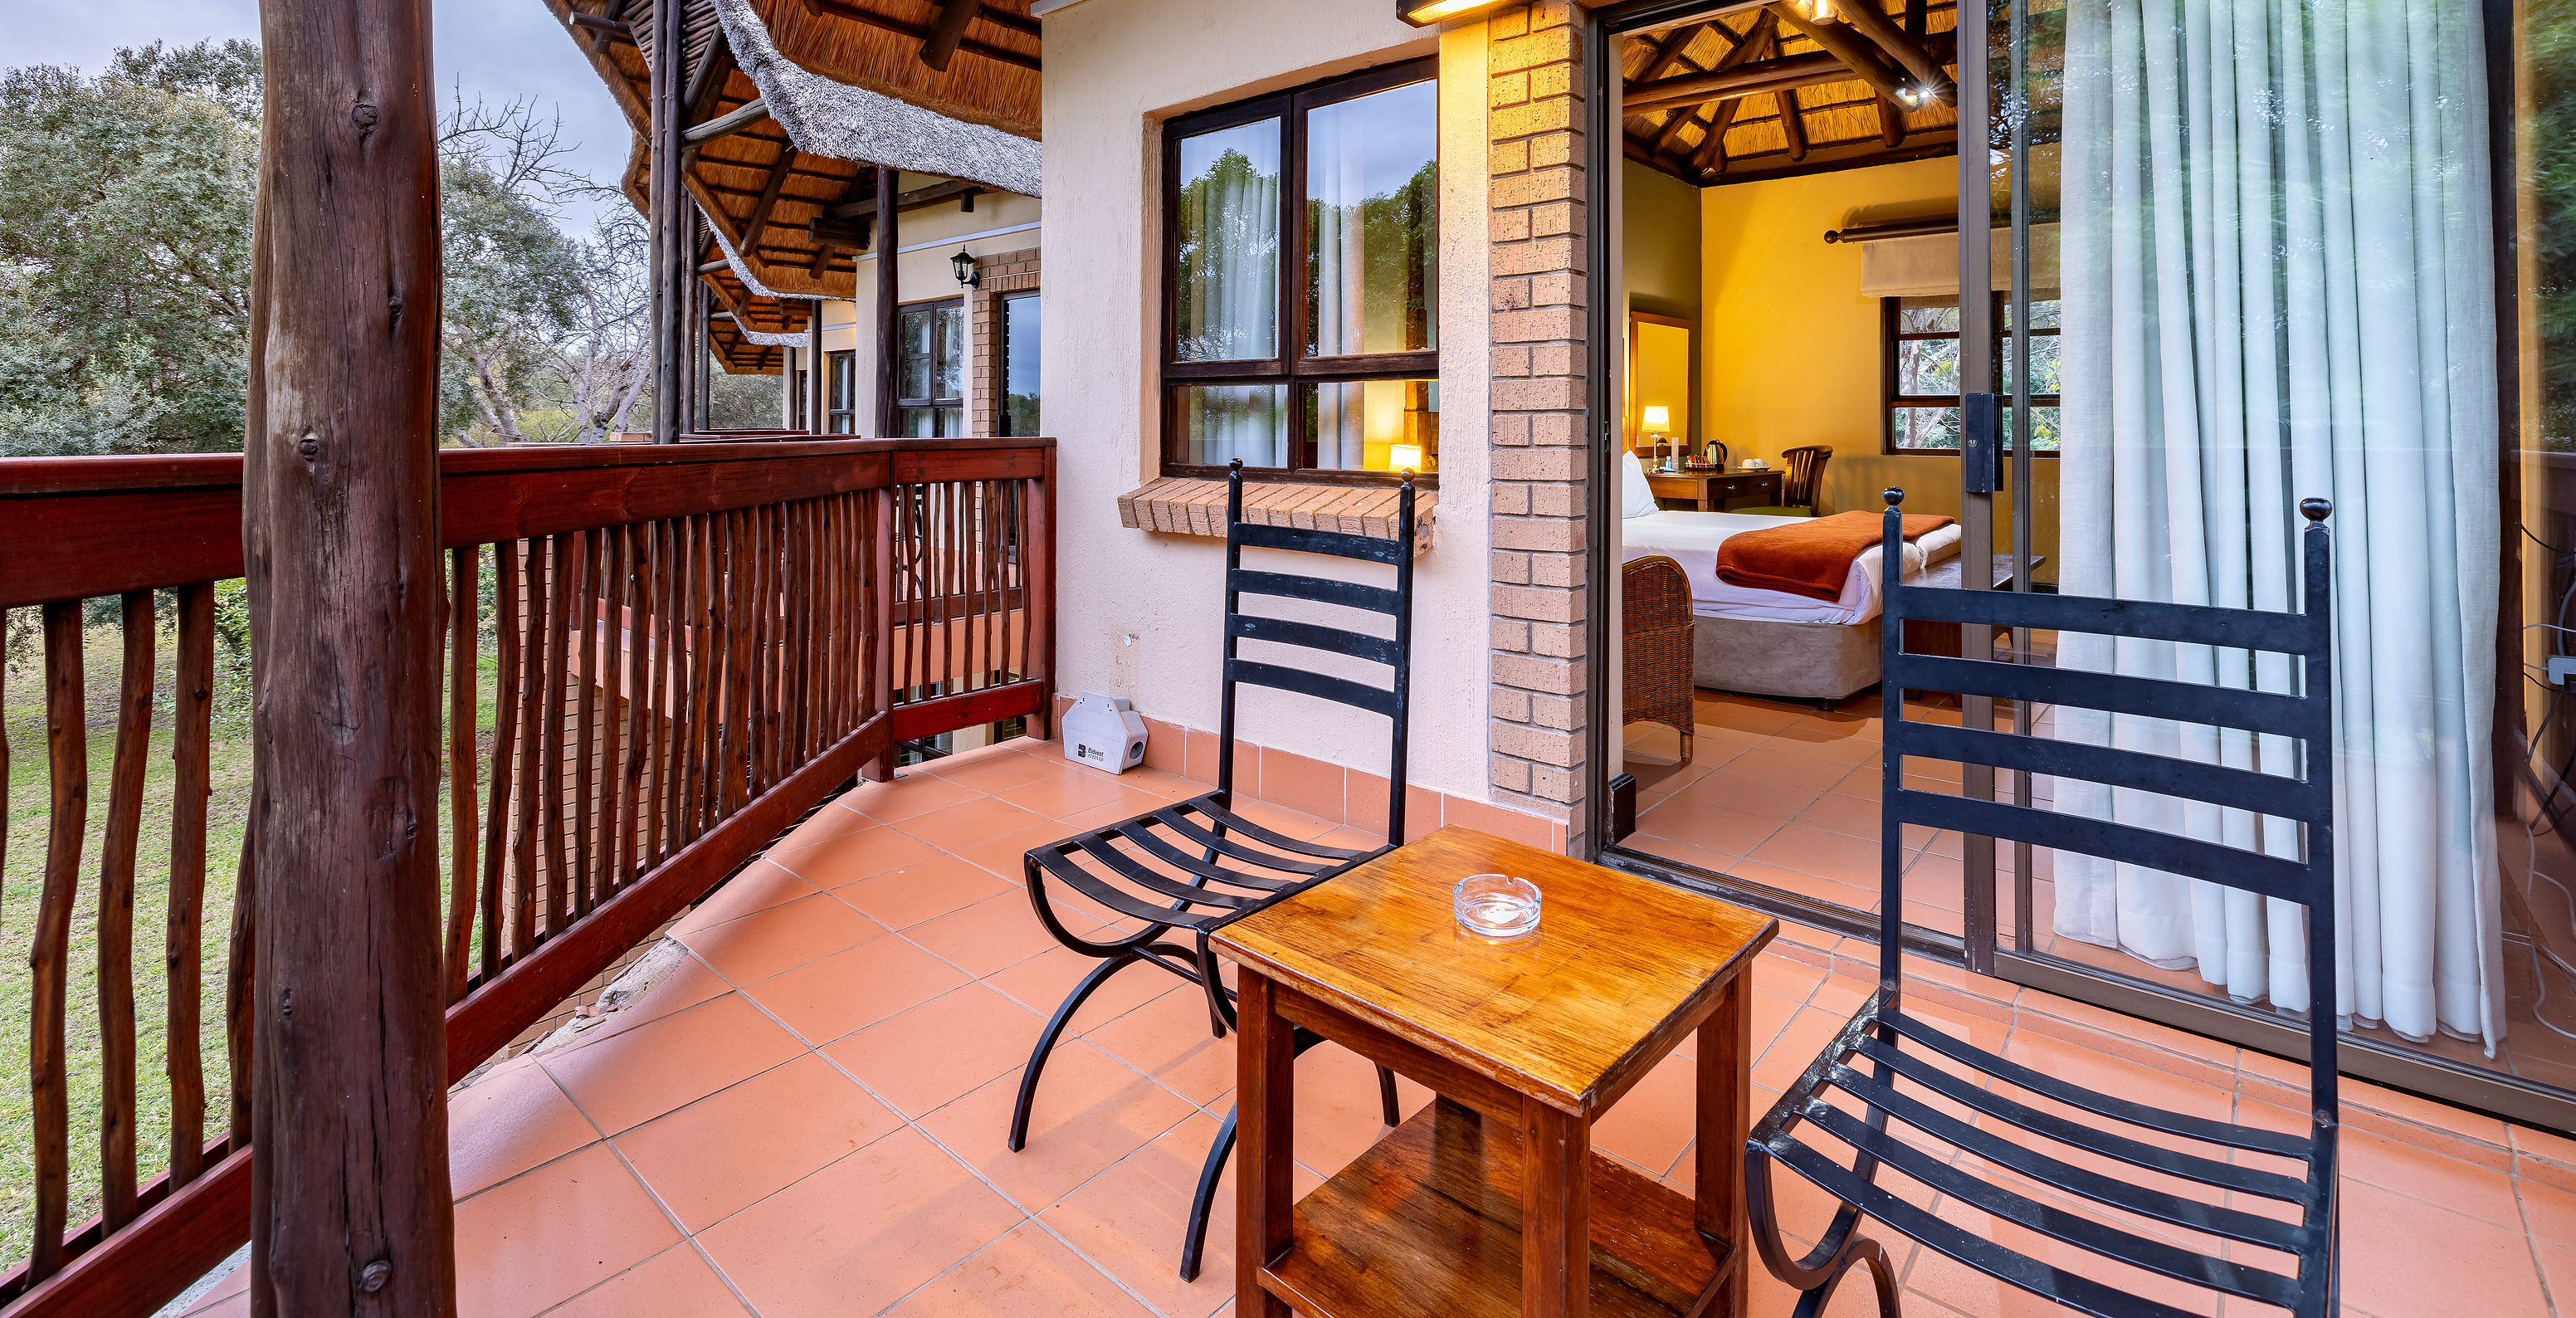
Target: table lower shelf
(1429, 1221)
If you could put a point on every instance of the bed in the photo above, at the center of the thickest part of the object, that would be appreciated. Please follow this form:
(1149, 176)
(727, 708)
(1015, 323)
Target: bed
(1766, 642)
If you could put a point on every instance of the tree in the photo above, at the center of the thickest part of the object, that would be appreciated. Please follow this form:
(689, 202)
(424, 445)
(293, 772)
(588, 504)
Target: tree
(544, 335)
(125, 208)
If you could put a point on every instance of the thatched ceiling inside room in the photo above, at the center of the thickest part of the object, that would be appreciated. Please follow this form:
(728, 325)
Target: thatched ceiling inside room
(1773, 91)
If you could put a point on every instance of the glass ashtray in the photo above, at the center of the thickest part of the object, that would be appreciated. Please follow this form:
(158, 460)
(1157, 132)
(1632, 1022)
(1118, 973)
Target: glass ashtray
(1496, 905)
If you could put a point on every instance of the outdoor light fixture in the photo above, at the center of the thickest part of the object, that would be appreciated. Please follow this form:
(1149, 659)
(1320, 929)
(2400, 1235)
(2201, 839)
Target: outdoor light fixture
(967, 275)
(1404, 457)
(1424, 13)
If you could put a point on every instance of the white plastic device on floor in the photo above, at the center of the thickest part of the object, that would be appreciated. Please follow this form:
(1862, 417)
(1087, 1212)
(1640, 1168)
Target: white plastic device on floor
(1103, 732)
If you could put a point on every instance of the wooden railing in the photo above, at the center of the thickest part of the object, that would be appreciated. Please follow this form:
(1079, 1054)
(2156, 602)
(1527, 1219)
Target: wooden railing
(689, 647)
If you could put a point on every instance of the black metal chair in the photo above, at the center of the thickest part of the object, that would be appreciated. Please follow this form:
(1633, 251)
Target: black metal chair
(1193, 866)
(1883, 1044)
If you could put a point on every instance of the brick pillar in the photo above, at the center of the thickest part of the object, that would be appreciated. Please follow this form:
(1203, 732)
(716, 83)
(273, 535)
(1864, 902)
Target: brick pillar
(1540, 670)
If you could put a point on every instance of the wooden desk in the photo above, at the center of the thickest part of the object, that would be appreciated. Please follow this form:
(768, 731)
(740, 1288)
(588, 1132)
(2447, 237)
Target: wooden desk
(1491, 1202)
(1717, 491)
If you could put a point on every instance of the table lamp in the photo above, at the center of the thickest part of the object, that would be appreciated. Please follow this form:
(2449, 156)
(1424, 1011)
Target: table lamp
(1658, 420)
(1404, 457)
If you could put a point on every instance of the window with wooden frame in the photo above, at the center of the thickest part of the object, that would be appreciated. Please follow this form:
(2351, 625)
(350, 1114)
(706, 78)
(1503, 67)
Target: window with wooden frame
(930, 369)
(840, 383)
(1301, 281)
(1919, 370)
(1017, 355)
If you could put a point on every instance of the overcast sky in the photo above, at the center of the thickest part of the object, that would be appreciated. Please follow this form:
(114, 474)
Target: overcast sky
(498, 48)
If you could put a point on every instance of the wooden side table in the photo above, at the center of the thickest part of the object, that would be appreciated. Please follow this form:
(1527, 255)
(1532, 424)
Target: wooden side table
(1491, 1202)
(1718, 491)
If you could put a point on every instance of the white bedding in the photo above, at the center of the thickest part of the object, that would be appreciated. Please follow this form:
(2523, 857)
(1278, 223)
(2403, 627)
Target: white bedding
(1692, 538)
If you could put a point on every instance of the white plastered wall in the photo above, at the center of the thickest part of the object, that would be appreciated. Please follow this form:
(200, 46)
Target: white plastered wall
(1000, 222)
(1114, 72)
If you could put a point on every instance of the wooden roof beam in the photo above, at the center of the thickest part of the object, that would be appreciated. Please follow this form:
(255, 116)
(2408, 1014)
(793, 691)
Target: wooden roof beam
(1792, 126)
(1847, 45)
(1917, 58)
(860, 14)
(607, 29)
(1743, 80)
(946, 30)
(930, 195)
(729, 123)
(759, 222)
(1763, 35)
(1668, 52)
(1891, 122)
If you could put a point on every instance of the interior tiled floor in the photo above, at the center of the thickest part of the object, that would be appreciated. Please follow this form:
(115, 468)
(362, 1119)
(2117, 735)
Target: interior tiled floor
(806, 1117)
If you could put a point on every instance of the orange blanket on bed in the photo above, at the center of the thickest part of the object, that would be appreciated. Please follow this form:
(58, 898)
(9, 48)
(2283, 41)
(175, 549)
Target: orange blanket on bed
(1812, 557)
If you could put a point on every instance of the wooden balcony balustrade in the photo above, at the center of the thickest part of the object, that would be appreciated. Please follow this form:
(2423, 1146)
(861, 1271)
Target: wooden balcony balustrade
(695, 645)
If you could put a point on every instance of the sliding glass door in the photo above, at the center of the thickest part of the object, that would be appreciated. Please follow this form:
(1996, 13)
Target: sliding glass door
(2258, 252)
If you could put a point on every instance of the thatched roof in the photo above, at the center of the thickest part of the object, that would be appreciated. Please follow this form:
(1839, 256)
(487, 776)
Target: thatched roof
(1705, 99)
(878, 45)
(767, 189)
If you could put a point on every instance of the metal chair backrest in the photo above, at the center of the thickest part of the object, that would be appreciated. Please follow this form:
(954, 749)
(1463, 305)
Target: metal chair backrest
(1806, 474)
(1396, 653)
(2304, 799)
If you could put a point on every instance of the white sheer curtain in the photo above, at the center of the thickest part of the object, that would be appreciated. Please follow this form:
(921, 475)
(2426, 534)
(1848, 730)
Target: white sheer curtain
(2278, 282)
(1228, 299)
(1336, 187)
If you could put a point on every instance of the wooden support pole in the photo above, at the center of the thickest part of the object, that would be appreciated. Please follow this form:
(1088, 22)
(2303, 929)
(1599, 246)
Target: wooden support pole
(667, 219)
(817, 422)
(351, 1206)
(889, 310)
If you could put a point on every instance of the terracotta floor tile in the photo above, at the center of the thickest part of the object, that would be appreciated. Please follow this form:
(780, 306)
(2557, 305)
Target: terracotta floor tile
(1788, 1057)
(654, 1068)
(781, 938)
(1826, 855)
(1747, 791)
(1745, 714)
(1026, 1274)
(2558, 1272)
(530, 1243)
(226, 1298)
(1708, 827)
(2549, 1212)
(1302, 826)
(930, 1055)
(1339, 1114)
(1781, 762)
(1041, 983)
(824, 1000)
(970, 822)
(1822, 889)
(1076, 791)
(998, 768)
(676, 1283)
(861, 1233)
(2478, 1192)
(911, 795)
(1130, 1219)
(1653, 1122)
(762, 885)
(900, 899)
(741, 1144)
(821, 827)
(1089, 1112)
(514, 1118)
(1169, 1039)
(1003, 855)
(685, 985)
(990, 935)
(855, 855)
(2391, 1243)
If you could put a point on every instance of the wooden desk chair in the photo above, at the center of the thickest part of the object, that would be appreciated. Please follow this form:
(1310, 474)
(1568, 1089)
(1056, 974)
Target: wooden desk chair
(1655, 643)
(2282, 1222)
(1799, 488)
(1193, 866)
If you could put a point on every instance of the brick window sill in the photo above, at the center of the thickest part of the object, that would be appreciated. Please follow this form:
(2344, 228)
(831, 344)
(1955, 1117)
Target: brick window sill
(1183, 506)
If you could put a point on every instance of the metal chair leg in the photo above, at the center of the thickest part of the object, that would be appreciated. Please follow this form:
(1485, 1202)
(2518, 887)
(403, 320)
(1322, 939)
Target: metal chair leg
(1195, 1242)
(1046, 1042)
(1881, 1273)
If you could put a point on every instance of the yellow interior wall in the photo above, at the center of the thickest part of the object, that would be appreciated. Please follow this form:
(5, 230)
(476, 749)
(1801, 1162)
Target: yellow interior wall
(1663, 378)
(1790, 348)
(1659, 264)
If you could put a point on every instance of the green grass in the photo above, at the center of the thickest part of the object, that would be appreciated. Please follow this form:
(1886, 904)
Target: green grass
(22, 871)
(21, 887)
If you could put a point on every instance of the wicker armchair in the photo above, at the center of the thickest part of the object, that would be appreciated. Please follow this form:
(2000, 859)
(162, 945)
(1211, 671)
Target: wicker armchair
(1655, 622)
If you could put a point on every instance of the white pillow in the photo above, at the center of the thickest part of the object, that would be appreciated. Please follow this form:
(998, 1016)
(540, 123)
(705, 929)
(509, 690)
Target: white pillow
(1636, 497)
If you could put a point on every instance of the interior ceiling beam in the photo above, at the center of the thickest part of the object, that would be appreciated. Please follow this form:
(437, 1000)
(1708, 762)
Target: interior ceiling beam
(947, 28)
(1918, 59)
(1857, 54)
(1754, 77)
(1792, 125)
(1763, 35)
(1668, 51)
(1891, 122)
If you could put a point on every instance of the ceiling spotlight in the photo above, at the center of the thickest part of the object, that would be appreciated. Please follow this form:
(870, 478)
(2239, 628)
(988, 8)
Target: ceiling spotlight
(1821, 11)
